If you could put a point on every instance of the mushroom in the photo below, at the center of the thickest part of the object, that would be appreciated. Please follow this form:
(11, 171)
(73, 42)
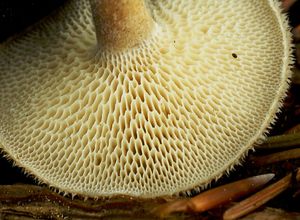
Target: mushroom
(156, 98)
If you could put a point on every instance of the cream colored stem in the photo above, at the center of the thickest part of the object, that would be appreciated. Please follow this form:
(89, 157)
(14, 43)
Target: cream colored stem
(121, 24)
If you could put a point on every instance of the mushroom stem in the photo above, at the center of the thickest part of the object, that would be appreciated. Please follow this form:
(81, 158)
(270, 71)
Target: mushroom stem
(121, 24)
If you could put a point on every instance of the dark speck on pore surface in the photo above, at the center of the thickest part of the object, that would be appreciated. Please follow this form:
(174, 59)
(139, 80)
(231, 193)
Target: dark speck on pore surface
(234, 55)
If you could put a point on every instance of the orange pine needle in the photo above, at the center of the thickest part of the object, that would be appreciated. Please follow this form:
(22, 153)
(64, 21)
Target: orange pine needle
(215, 197)
(253, 202)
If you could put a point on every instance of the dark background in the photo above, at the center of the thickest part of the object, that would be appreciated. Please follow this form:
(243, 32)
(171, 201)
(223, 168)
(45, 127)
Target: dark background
(16, 15)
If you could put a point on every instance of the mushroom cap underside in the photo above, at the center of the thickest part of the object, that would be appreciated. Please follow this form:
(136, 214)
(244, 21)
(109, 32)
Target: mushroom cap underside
(169, 115)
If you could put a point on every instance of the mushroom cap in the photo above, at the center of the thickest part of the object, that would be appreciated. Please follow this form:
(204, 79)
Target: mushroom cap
(167, 116)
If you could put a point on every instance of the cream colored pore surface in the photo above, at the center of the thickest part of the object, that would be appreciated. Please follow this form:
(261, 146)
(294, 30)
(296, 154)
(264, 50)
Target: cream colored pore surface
(168, 116)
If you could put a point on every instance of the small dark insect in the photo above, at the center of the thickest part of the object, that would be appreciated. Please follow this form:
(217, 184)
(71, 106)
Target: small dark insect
(234, 55)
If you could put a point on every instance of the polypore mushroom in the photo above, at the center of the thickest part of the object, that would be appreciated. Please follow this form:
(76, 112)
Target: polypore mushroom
(165, 97)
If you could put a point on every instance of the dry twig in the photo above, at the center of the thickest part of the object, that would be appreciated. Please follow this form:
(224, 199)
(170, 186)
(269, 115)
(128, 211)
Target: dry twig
(276, 157)
(281, 141)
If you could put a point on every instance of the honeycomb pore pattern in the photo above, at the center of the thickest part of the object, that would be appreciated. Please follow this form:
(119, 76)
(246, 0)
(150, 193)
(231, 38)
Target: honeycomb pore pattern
(169, 115)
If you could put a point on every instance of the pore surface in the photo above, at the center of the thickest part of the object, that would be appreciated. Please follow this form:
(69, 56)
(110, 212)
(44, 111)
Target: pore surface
(164, 117)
